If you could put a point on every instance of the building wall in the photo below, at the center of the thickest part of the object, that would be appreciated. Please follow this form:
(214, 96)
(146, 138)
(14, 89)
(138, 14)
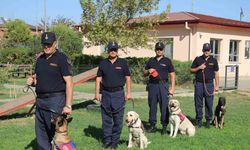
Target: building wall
(224, 34)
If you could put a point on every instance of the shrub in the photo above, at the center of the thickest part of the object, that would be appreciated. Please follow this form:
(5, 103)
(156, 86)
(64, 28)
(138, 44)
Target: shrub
(16, 56)
(136, 65)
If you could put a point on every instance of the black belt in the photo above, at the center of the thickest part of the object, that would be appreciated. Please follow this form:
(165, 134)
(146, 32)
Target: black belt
(207, 81)
(158, 81)
(48, 95)
(113, 89)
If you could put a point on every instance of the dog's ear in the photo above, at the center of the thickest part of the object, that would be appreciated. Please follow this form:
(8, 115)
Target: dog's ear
(136, 115)
(69, 119)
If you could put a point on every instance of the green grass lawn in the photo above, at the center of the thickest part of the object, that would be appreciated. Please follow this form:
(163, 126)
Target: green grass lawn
(86, 131)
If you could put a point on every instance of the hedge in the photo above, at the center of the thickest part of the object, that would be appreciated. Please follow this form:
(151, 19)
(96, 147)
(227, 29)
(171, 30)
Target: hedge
(183, 75)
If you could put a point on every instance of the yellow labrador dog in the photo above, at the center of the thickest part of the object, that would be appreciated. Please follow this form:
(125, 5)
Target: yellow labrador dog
(178, 121)
(136, 131)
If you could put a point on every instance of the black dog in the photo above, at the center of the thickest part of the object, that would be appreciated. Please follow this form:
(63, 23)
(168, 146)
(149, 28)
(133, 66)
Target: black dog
(219, 113)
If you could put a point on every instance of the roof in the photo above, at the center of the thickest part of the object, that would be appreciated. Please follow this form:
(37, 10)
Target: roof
(182, 17)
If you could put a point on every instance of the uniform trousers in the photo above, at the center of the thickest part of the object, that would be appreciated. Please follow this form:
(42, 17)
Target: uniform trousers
(44, 127)
(158, 93)
(200, 93)
(112, 108)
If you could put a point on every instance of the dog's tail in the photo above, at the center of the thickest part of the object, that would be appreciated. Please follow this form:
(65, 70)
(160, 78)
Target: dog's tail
(149, 142)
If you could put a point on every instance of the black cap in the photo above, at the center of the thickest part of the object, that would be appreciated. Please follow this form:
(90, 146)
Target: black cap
(159, 45)
(206, 47)
(112, 45)
(48, 38)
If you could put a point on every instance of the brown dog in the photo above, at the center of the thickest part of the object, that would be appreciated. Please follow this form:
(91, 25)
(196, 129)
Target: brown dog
(61, 140)
(219, 114)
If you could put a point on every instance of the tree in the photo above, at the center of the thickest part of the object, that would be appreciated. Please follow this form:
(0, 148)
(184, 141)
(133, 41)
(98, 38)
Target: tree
(62, 20)
(69, 41)
(105, 20)
(18, 33)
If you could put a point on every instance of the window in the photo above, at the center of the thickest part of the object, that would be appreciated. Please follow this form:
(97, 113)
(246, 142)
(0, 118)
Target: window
(215, 48)
(233, 51)
(247, 50)
(168, 51)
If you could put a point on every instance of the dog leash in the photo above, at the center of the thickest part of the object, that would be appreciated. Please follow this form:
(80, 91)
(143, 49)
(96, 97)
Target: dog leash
(25, 90)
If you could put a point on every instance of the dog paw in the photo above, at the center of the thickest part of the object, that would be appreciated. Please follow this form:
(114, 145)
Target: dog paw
(129, 146)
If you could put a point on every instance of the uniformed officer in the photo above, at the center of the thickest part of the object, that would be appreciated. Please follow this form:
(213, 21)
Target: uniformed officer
(158, 87)
(112, 75)
(54, 88)
(206, 69)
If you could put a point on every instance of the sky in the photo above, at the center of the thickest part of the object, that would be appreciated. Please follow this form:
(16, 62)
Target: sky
(31, 11)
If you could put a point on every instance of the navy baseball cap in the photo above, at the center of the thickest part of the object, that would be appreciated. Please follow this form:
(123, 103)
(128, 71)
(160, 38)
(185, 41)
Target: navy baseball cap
(48, 38)
(112, 45)
(206, 47)
(159, 45)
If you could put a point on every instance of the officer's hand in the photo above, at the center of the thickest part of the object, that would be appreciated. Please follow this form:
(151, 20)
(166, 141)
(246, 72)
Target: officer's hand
(202, 66)
(97, 97)
(30, 80)
(216, 89)
(67, 110)
(128, 96)
(151, 70)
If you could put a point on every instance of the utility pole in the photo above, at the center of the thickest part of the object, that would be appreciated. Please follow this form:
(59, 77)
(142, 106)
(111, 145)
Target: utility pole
(45, 17)
(193, 5)
(241, 14)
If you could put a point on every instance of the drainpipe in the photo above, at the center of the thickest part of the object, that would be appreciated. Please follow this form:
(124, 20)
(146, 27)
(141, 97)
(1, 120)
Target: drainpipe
(190, 39)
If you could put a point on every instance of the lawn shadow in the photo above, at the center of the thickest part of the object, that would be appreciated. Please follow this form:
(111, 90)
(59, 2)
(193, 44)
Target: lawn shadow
(83, 104)
(94, 132)
(193, 120)
(97, 133)
(32, 145)
(15, 116)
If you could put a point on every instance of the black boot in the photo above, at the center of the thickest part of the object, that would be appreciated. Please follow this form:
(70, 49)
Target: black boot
(151, 129)
(199, 123)
(164, 130)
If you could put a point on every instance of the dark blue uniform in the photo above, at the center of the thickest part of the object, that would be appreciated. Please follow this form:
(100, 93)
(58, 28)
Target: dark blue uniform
(113, 98)
(50, 90)
(158, 89)
(204, 90)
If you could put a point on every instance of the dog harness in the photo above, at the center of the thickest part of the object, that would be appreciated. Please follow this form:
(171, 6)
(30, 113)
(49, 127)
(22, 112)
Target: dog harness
(182, 116)
(68, 146)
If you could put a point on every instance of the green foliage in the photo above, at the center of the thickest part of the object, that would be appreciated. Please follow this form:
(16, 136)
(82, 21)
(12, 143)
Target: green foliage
(16, 56)
(3, 75)
(136, 66)
(182, 70)
(60, 20)
(69, 41)
(18, 35)
(114, 20)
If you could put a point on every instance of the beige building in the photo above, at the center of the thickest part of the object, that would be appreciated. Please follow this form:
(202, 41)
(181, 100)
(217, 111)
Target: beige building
(186, 32)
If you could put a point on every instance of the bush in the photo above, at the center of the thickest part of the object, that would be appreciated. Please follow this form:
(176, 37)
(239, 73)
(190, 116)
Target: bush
(136, 65)
(16, 56)
(3, 75)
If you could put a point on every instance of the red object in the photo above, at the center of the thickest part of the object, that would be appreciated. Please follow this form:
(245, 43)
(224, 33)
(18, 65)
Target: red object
(154, 74)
